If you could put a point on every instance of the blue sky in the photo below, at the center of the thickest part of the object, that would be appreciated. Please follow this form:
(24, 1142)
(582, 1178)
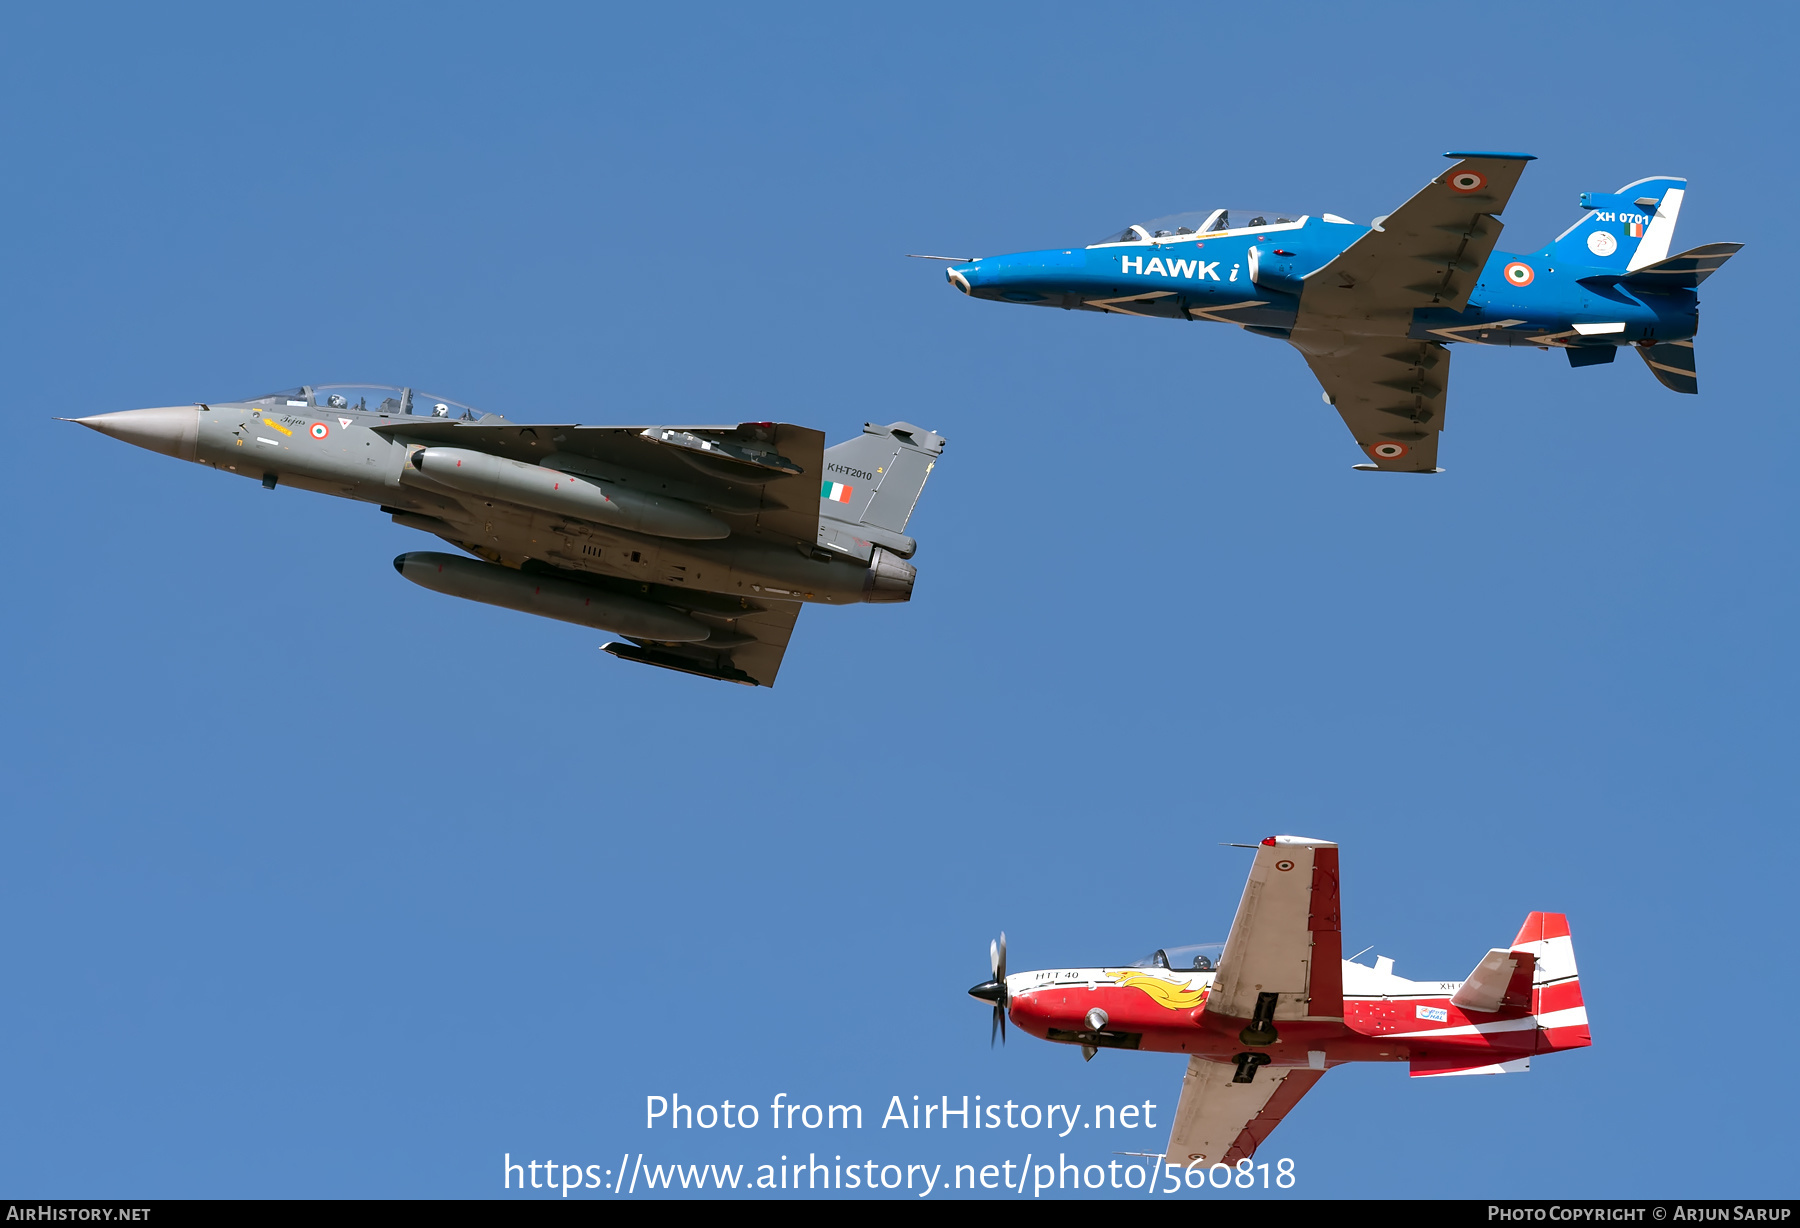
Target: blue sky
(322, 884)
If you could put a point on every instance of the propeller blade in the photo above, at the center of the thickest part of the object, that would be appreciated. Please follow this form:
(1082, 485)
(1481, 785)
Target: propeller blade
(995, 990)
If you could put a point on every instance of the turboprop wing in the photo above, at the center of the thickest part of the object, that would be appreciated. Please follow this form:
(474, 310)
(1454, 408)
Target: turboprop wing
(1357, 310)
(1282, 962)
(1221, 1121)
(1282, 958)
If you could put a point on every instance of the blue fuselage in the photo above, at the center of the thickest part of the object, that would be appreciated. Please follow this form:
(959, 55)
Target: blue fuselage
(1519, 300)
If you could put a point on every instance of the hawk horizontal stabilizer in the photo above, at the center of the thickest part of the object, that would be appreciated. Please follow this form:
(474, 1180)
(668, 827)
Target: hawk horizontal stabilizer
(1684, 272)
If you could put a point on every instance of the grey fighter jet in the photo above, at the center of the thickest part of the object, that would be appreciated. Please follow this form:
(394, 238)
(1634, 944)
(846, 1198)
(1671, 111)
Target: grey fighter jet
(697, 544)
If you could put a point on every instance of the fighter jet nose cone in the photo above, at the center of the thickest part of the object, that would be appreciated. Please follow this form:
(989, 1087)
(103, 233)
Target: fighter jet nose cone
(172, 430)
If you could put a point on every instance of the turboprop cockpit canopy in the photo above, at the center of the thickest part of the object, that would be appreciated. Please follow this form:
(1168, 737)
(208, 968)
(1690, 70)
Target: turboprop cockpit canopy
(1201, 222)
(1199, 957)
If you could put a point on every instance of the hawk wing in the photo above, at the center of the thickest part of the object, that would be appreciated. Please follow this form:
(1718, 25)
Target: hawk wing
(1284, 943)
(1390, 393)
(1355, 312)
(1426, 253)
(1218, 1121)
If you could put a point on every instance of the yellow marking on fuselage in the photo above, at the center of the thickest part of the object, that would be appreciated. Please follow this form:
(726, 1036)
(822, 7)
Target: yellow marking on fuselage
(1164, 993)
(272, 425)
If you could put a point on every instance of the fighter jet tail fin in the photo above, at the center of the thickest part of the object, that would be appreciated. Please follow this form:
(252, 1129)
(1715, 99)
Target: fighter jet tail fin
(1625, 230)
(871, 485)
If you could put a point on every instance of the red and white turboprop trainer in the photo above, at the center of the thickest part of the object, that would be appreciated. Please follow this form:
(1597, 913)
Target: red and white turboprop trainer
(1279, 994)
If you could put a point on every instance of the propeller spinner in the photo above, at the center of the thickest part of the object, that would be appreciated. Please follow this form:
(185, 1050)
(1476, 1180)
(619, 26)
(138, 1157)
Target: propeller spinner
(994, 989)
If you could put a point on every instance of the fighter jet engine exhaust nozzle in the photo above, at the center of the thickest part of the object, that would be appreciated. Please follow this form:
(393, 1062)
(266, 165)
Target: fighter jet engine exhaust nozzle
(889, 578)
(994, 989)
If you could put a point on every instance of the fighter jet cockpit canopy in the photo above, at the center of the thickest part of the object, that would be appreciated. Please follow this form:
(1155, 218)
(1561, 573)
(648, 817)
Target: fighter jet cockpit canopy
(1199, 957)
(373, 398)
(1201, 224)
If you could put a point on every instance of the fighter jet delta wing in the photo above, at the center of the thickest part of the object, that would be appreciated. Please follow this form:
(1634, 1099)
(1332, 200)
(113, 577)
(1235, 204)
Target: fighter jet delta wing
(749, 652)
(1356, 311)
(758, 478)
(1281, 963)
(762, 478)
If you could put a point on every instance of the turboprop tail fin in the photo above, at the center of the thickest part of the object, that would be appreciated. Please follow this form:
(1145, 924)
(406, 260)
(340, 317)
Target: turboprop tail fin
(1555, 983)
(1537, 973)
(1624, 230)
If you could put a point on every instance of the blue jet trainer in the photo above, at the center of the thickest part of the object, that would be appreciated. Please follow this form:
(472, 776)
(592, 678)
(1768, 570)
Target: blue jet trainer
(1371, 308)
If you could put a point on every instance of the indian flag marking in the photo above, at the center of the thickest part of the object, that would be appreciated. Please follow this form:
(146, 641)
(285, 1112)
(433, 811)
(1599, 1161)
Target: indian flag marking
(1634, 229)
(837, 492)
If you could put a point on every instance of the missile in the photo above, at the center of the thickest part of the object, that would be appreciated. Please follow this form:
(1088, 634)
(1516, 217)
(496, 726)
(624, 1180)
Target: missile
(548, 597)
(567, 494)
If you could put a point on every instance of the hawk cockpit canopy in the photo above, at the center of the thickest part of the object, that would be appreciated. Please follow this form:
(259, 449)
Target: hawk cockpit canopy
(1201, 223)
